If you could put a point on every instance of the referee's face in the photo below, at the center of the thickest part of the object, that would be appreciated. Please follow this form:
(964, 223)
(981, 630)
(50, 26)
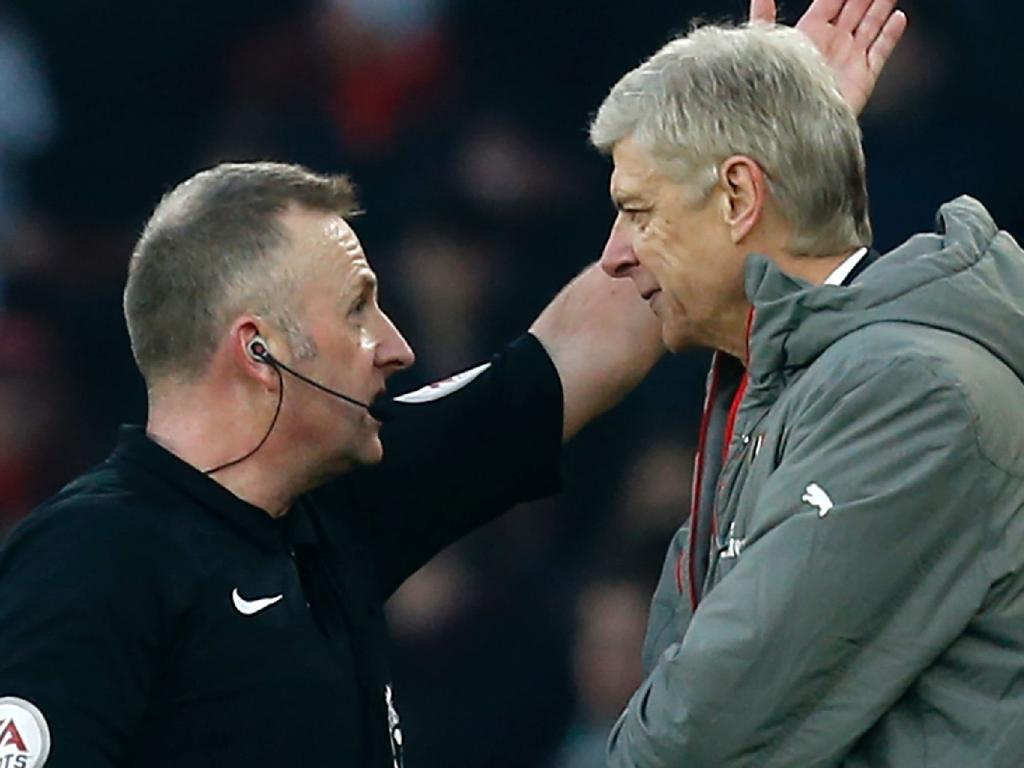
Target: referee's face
(353, 347)
(677, 249)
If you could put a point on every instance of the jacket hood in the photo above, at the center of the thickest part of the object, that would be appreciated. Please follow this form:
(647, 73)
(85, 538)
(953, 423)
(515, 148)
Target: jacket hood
(967, 278)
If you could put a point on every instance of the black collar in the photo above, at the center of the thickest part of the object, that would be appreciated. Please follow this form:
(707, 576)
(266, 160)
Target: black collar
(136, 449)
(866, 261)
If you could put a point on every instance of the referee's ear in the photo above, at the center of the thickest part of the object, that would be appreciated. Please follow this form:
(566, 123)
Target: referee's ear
(241, 352)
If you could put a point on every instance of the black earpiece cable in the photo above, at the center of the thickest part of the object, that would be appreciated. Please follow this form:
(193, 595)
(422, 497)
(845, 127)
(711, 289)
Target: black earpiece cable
(259, 350)
(278, 364)
(266, 435)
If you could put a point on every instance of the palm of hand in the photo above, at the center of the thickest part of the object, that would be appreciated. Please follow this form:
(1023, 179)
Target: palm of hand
(854, 76)
(856, 38)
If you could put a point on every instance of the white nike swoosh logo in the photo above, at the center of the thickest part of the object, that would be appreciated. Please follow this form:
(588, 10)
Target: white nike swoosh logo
(249, 607)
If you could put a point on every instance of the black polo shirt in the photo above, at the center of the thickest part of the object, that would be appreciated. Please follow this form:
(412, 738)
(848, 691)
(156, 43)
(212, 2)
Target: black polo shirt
(149, 618)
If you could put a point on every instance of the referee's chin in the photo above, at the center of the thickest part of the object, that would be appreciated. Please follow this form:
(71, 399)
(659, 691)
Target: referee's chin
(376, 451)
(370, 450)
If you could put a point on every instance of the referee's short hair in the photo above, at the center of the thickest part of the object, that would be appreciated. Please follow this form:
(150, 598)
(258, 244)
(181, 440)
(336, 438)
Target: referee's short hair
(759, 90)
(211, 250)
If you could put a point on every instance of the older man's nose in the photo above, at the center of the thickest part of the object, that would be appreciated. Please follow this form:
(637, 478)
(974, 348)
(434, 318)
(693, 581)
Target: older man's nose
(618, 258)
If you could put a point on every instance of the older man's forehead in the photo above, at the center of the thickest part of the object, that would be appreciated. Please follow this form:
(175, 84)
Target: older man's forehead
(633, 173)
(618, 183)
(626, 189)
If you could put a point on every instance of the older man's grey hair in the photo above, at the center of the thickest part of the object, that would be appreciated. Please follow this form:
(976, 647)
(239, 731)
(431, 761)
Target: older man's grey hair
(758, 90)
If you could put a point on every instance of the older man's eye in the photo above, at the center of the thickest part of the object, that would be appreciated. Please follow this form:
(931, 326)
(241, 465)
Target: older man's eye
(638, 217)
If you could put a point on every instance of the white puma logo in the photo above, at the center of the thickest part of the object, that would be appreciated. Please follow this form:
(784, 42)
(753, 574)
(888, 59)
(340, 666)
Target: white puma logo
(815, 496)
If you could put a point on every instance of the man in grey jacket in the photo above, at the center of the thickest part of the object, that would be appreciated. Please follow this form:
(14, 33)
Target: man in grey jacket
(849, 589)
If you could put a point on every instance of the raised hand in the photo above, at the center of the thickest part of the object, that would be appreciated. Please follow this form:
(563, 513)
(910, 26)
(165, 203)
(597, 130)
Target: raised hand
(856, 37)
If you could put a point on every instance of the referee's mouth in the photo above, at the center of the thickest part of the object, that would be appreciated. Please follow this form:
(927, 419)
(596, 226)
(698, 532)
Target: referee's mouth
(381, 408)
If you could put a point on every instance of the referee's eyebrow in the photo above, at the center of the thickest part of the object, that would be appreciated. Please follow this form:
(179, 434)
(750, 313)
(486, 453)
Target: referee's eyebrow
(365, 282)
(362, 287)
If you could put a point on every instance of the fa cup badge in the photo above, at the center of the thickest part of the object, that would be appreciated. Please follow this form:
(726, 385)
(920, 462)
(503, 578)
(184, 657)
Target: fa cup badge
(394, 728)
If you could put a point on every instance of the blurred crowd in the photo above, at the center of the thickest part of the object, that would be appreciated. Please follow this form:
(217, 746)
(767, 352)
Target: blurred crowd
(464, 124)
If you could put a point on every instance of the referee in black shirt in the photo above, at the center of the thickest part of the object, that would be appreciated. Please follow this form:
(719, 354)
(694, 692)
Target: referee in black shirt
(212, 594)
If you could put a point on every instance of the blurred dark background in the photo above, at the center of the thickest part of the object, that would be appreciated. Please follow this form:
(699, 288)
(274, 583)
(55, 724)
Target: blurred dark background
(464, 123)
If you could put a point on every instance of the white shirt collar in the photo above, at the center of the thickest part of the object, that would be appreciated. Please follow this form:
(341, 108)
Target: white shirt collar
(840, 273)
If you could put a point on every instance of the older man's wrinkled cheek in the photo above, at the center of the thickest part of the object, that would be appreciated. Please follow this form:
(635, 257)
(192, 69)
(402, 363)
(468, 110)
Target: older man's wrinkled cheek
(653, 242)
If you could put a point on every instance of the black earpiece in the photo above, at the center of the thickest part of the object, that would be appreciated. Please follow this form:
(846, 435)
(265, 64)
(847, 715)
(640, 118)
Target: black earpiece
(258, 349)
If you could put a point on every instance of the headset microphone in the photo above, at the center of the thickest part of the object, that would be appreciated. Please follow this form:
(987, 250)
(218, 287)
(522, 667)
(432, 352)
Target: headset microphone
(258, 349)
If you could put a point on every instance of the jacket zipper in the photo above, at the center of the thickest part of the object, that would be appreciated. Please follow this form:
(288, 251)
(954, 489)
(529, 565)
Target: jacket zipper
(714, 382)
(713, 386)
(728, 481)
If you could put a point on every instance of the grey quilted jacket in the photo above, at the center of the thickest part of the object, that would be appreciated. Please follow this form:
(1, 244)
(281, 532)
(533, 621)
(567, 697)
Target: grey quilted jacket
(850, 589)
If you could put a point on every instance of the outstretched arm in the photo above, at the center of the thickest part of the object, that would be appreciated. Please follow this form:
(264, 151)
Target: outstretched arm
(603, 340)
(856, 37)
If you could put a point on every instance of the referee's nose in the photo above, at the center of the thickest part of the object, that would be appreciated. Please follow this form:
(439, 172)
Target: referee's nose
(393, 352)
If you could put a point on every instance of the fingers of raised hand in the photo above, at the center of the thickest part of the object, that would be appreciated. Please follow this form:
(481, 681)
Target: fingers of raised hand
(762, 10)
(852, 14)
(886, 41)
(874, 20)
(823, 10)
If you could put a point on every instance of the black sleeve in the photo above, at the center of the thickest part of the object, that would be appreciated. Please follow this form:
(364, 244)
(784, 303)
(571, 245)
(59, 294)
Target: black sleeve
(456, 457)
(78, 635)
